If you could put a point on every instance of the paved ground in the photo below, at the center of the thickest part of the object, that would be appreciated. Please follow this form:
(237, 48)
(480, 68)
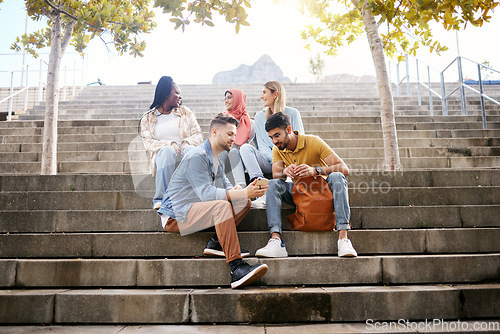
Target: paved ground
(401, 326)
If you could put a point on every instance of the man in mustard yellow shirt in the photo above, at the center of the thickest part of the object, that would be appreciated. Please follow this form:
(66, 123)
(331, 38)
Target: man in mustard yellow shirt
(296, 155)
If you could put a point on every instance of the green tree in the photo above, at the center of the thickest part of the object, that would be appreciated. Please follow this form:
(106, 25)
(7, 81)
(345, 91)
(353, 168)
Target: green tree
(406, 28)
(77, 22)
(119, 22)
(200, 11)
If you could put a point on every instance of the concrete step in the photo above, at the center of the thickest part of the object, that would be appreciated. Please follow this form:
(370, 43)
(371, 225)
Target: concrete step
(309, 127)
(399, 126)
(403, 134)
(146, 220)
(136, 115)
(460, 144)
(292, 271)
(214, 107)
(82, 156)
(296, 304)
(210, 110)
(126, 199)
(326, 135)
(172, 245)
(78, 167)
(463, 162)
(136, 165)
(355, 164)
(133, 112)
(416, 142)
(135, 143)
(346, 153)
(365, 181)
(307, 119)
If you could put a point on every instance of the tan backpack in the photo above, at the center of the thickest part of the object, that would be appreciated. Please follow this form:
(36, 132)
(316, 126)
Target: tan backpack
(314, 201)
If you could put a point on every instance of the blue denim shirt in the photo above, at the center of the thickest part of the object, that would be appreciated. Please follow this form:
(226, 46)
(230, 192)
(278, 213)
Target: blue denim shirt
(195, 181)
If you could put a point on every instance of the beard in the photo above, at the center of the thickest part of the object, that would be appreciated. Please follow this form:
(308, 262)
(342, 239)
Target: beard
(284, 144)
(225, 146)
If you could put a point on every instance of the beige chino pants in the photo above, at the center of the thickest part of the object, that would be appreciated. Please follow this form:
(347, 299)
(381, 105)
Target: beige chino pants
(221, 215)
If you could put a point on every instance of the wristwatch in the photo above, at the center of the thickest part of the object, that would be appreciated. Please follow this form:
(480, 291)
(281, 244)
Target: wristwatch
(318, 170)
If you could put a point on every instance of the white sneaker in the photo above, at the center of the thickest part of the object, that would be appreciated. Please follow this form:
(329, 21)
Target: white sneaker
(274, 248)
(259, 203)
(345, 248)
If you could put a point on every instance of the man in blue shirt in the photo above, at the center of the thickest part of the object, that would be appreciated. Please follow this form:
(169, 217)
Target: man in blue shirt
(200, 196)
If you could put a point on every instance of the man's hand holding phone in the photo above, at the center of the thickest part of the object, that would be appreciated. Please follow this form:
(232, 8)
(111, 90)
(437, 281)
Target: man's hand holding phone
(257, 188)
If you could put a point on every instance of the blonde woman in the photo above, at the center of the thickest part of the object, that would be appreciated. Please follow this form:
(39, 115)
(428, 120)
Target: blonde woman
(258, 160)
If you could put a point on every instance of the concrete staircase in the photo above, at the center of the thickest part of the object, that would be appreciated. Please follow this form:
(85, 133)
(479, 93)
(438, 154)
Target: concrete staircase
(85, 247)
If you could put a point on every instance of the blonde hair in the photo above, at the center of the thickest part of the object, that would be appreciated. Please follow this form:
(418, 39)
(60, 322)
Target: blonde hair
(279, 101)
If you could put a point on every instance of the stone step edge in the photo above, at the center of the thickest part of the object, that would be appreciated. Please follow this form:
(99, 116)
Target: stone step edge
(300, 304)
(62, 245)
(457, 326)
(146, 220)
(210, 272)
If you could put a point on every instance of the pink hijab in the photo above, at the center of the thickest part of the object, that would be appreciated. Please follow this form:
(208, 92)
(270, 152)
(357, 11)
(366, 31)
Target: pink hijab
(239, 112)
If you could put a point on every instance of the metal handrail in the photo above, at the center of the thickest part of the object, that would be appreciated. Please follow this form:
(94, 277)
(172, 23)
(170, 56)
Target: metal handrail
(11, 95)
(429, 86)
(24, 69)
(406, 77)
(462, 85)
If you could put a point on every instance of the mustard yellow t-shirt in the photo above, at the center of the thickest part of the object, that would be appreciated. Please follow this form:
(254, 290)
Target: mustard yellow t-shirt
(310, 150)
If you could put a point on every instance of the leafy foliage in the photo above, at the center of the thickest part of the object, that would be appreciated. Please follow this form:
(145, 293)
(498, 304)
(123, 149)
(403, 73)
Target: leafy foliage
(404, 24)
(200, 11)
(118, 22)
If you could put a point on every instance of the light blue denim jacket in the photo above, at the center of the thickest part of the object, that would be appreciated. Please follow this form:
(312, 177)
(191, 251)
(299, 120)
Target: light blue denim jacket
(262, 140)
(194, 181)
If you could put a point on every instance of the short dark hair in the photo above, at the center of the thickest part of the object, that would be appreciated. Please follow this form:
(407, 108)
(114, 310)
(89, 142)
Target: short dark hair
(223, 119)
(277, 120)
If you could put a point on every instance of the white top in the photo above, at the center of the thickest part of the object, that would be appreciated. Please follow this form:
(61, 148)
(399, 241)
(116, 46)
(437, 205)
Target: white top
(167, 128)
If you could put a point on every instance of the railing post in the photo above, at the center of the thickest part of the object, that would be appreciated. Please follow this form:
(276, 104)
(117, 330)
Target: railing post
(418, 85)
(64, 86)
(9, 115)
(483, 112)
(398, 89)
(74, 78)
(83, 70)
(27, 89)
(408, 91)
(443, 96)
(461, 85)
(430, 90)
(40, 82)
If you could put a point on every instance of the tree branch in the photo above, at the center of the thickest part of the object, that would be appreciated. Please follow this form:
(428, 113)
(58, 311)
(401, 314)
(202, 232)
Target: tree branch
(60, 10)
(67, 35)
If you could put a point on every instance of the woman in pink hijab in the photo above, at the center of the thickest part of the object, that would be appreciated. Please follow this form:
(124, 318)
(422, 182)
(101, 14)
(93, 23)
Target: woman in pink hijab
(236, 102)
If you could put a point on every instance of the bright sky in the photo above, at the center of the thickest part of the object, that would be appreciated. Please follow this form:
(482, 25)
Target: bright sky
(197, 54)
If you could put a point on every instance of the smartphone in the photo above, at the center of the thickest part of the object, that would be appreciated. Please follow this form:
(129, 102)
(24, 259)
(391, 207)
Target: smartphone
(261, 181)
